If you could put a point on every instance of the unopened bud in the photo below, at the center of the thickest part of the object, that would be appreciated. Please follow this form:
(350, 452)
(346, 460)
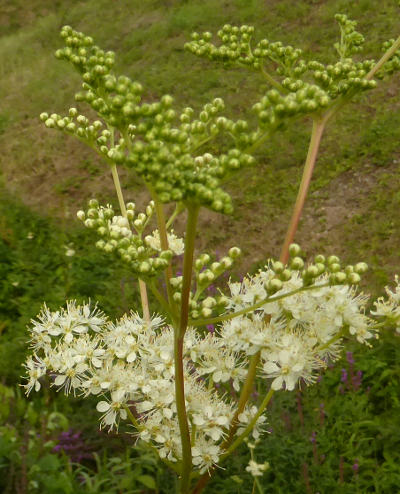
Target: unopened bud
(361, 268)
(294, 250)
(234, 252)
(297, 263)
(354, 278)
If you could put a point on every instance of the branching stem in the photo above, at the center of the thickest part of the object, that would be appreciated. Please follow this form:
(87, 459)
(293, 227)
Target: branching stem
(178, 349)
(317, 131)
(251, 308)
(142, 285)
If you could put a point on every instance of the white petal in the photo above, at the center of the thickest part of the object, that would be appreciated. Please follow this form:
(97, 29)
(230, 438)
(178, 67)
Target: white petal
(277, 383)
(59, 380)
(102, 406)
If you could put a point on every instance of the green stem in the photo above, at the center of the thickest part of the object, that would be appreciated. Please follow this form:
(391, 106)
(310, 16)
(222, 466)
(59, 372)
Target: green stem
(162, 301)
(244, 396)
(178, 210)
(271, 80)
(232, 315)
(250, 426)
(203, 480)
(332, 340)
(388, 54)
(132, 418)
(178, 349)
(142, 284)
(164, 245)
(117, 186)
(258, 142)
(201, 143)
(317, 131)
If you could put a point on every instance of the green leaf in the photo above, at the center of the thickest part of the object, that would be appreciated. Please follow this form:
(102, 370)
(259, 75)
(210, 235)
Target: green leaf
(147, 481)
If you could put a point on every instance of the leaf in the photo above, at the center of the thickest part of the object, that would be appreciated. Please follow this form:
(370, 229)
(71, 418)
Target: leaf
(147, 481)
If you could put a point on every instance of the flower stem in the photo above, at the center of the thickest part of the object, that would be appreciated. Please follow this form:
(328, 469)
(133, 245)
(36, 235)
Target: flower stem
(178, 349)
(317, 131)
(137, 425)
(164, 245)
(118, 189)
(277, 85)
(244, 396)
(250, 308)
(250, 426)
(142, 284)
(388, 54)
(145, 300)
(203, 480)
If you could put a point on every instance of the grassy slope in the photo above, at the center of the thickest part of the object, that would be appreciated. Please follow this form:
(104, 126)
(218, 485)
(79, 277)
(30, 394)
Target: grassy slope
(58, 175)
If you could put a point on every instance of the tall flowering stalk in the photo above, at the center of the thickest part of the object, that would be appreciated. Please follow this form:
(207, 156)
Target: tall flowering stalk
(167, 374)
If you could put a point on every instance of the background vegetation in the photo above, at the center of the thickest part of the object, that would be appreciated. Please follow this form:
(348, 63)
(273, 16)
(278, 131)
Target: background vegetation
(339, 436)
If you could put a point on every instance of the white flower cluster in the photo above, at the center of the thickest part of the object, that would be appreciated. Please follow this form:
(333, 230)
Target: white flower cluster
(175, 243)
(130, 366)
(389, 308)
(296, 335)
(257, 469)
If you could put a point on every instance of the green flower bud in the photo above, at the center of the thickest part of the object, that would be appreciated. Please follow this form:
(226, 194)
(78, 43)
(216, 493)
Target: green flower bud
(285, 275)
(340, 277)
(206, 312)
(81, 215)
(294, 250)
(226, 262)
(274, 285)
(361, 268)
(209, 302)
(177, 296)
(144, 267)
(215, 267)
(297, 263)
(50, 123)
(312, 271)
(354, 278)
(333, 260)
(234, 252)
(278, 267)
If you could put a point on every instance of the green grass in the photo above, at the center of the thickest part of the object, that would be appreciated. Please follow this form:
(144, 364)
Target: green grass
(148, 38)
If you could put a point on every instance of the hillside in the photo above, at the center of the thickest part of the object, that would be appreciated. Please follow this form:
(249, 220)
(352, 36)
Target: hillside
(354, 202)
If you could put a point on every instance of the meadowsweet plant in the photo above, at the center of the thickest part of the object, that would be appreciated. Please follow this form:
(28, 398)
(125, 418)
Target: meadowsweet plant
(186, 390)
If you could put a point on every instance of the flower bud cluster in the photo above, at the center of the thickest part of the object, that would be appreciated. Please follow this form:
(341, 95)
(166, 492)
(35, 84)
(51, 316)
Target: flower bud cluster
(351, 41)
(206, 273)
(393, 64)
(130, 362)
(162, 153)
(305, 98)
(342, 77)
(78, 125)
(305, 95)
(166, 157)
(235, 47)
(123, 235)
